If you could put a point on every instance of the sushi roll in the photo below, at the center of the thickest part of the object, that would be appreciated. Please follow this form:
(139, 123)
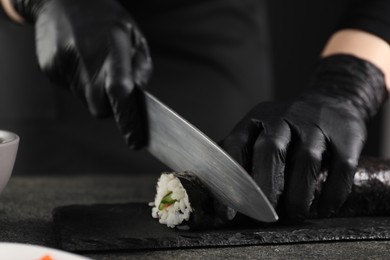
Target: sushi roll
(370, 192)
(182, 201)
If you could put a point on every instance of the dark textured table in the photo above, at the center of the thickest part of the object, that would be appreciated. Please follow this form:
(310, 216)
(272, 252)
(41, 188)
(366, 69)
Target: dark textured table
(27, 202)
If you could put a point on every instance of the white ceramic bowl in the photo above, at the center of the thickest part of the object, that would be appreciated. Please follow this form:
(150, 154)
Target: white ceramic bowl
(9, 143)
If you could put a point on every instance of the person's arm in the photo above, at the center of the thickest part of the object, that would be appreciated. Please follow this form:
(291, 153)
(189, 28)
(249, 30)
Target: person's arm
(364, 32)
(363, 45)
(285, 145)
(95, 49)
(11, 12)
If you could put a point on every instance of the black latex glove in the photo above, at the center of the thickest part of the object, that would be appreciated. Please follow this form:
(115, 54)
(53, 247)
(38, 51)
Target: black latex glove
(94, 48)
(284, 146)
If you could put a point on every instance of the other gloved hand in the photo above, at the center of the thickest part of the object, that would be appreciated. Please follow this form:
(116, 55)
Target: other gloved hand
(94, 48)
(284, 146)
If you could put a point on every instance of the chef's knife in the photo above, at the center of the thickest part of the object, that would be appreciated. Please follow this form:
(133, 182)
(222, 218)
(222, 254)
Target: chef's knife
(182, 147)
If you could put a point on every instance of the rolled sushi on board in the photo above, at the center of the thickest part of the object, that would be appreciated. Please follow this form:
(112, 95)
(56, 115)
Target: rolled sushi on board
(182, 201)
(370, 192)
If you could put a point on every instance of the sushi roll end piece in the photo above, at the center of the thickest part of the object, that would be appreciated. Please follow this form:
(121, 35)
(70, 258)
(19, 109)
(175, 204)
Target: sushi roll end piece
(182, 201)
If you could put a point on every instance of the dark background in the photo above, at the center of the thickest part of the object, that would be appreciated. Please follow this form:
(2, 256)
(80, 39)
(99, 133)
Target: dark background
(58, 136)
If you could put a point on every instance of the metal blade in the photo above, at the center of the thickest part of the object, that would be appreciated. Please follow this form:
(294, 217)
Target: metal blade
(182, 147)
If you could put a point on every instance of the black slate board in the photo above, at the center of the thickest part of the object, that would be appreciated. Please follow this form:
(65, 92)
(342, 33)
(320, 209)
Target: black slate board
(103, 227)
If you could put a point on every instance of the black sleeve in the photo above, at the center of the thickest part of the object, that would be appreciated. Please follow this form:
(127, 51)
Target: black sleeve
(372, 16)
(3, 15)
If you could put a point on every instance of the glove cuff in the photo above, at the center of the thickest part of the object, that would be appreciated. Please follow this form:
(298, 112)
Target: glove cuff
(351, 79)
(28, 9)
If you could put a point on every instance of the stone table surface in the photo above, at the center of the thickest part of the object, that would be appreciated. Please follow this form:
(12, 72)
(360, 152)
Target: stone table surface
(27, 202)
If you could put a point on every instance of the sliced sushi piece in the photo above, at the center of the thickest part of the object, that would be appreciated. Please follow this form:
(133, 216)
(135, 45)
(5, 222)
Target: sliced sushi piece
(182, 201)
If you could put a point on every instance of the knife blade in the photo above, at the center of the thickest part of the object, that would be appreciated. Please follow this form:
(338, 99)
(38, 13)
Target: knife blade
(182, 147)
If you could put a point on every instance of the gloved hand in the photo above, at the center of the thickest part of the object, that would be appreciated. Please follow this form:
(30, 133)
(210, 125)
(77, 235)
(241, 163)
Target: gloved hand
(94, 48)
(284, 146)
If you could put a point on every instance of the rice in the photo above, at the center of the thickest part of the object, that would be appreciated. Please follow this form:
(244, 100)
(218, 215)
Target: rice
(171, 204)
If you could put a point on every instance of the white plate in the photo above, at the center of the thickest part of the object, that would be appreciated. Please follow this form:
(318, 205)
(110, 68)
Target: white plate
(15, 251)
